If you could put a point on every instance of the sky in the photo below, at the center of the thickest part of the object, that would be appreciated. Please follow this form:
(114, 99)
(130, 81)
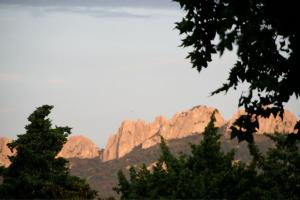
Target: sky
(100, 62)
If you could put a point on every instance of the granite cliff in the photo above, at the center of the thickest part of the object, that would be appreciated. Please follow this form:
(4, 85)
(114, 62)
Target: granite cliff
(272, 124)
(135, 133)
(79, 146)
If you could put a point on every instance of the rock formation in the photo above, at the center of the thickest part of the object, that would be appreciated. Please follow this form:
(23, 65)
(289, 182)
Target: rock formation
(134, 133)
(76, 147)
(79, 147)
(4, 151)
(138, 133)
(272, 124)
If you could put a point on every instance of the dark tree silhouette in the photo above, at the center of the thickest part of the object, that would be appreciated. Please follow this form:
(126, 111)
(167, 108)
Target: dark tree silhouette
(35, 171)
(267, 49)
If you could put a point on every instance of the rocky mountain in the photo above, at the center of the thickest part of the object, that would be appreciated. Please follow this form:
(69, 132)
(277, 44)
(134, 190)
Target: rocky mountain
(182, 124)
(139, 133)
(79, 146)
(273, 124)
(135, 133)
(136, 142)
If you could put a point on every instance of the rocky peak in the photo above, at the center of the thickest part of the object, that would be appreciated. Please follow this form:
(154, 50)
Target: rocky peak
(80, 147)
(139, 133)
(5, 151)
(76, 147)
(271, 124)
(182, 124)
(134, 133)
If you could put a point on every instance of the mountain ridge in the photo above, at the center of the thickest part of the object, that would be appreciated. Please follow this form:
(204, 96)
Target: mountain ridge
(193, 121)
(133, 133)
(87, 160)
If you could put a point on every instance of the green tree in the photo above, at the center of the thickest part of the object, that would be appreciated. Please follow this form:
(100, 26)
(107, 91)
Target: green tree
(267, 51)
(35, 171)
(280, 168)
(207, 173)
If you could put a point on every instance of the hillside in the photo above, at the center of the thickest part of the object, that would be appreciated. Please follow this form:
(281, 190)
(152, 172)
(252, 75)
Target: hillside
(103, 175)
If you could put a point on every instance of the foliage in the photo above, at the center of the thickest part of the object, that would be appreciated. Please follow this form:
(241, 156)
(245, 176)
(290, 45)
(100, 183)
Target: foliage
(35, 171)
(281, 168)
(267, 50)
(208, 173)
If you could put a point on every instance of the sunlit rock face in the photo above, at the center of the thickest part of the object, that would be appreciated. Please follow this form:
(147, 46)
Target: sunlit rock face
(271, 124)
(76, 147)
(139, 133)
(79, 147)
(5, 151)
(134, 133)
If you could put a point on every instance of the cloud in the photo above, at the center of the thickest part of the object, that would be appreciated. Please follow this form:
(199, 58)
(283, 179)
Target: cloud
(166, 4)
(100, 11)
(10, 76)
(97, 8)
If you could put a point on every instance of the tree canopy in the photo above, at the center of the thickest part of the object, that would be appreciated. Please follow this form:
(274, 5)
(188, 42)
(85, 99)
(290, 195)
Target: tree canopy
(35, 171)
(267, 44)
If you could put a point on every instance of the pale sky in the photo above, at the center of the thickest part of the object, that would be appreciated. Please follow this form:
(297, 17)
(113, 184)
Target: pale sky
(100, 62)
